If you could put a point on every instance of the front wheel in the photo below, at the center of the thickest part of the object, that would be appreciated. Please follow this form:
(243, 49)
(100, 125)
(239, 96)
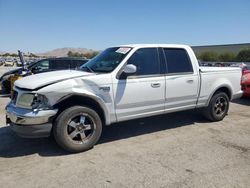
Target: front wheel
(77, 129)
(218, 107)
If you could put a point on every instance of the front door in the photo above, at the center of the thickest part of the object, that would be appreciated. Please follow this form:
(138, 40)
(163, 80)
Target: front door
(142, 94)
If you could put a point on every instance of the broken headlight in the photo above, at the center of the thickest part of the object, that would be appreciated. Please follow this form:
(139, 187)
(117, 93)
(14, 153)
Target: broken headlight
(40, 102)
(33, 101)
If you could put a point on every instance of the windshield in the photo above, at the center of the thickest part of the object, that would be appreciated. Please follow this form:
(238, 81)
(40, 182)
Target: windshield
(106, 61)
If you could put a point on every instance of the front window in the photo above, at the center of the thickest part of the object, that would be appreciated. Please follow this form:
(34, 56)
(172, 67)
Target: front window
(146, 61)
(106, 61)
(40, 66)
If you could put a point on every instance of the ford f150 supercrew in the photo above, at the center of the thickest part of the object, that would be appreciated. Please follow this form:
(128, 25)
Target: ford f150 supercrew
(121, 83)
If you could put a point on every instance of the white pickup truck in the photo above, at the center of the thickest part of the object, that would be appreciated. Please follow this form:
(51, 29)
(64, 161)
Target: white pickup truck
(121, 83)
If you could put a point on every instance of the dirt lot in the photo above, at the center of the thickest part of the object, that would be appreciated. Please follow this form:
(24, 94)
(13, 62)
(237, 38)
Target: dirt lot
(175, 150)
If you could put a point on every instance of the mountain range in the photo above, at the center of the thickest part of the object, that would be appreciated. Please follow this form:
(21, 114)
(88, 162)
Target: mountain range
(63, 52)
(234, 48)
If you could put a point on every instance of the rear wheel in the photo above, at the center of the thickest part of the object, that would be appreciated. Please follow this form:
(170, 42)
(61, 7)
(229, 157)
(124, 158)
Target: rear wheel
(218, 107)
(77, 129)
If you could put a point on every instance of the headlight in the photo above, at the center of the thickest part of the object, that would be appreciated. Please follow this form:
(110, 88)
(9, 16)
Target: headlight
(40, 102)
(25, 100)
(33, 101)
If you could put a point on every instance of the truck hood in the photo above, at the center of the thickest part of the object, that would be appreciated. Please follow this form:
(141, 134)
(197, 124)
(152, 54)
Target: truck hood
(39, 80)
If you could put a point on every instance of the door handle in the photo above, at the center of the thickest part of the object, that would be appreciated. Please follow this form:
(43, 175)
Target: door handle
(155, 85)
(190, 81)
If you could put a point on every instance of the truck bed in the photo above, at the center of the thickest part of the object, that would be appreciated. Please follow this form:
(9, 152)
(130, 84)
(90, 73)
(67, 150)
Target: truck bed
(219, 69)
(213, 78)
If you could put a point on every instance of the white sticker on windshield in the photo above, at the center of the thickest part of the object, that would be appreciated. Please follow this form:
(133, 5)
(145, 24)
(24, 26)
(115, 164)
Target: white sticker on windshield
(123, 50)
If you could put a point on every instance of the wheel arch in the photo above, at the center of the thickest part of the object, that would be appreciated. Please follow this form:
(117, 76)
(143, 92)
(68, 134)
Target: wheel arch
(77, 99)
(223, 88)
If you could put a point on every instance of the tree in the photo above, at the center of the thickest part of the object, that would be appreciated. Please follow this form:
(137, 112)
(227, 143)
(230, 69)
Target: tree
(32, 55)
(6, 54)
(88, 55)
(70, 54)
(208, 56)
(227, 57)
(95, 53)
(13, 55)
(244, 55)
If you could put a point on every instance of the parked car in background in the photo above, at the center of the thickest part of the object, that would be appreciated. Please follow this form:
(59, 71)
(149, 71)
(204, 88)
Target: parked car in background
(119, 84)
(246, 69)
(9, 63)
(53, 64)
(19, 64)
(44, 65)
(245, 81)
(1, 61)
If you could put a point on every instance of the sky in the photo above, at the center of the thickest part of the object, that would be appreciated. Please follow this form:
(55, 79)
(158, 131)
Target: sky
(40, 26)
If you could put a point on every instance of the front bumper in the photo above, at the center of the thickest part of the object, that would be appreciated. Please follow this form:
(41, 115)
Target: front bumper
(30, 123)
(32, 131)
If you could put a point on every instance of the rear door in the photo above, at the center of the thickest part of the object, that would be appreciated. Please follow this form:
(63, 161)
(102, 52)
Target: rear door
(182, 82)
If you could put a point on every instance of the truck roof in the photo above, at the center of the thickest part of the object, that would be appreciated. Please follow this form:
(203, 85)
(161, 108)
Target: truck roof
(156, 45)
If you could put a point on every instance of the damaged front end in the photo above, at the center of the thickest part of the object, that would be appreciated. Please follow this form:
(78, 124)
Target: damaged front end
(29, 114)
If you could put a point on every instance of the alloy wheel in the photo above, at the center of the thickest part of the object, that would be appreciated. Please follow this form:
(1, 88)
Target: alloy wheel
(81, 128)
(220, 106)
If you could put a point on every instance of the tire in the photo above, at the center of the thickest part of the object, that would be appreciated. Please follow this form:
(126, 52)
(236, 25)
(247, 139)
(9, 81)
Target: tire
(77, 129)
(218, 107)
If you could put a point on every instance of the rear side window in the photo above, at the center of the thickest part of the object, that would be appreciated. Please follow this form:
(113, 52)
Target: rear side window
(177, 60)
(146, 61)
(77, 63)
(59, 64)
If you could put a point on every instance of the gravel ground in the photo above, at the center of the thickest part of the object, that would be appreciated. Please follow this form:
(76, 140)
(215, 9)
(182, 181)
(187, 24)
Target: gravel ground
(174, 150)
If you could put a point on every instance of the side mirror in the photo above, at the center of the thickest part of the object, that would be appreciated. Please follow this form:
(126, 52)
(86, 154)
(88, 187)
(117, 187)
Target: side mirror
(129, 69)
